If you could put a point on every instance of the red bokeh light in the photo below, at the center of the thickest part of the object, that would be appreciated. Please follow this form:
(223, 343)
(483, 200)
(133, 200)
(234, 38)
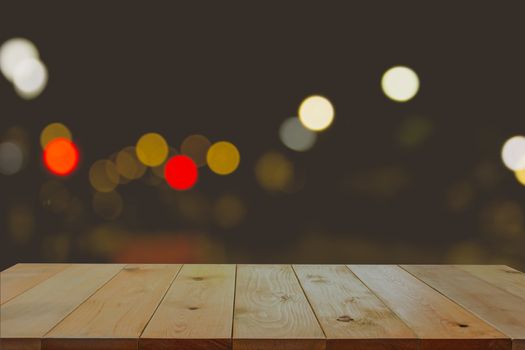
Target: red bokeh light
(61, 156)
(181, 172)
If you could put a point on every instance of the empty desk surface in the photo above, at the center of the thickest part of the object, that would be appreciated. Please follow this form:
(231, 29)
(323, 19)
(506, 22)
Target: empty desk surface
(350, 307)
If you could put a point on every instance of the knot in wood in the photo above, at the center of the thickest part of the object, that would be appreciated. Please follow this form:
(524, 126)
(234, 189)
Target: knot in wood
(345, 318)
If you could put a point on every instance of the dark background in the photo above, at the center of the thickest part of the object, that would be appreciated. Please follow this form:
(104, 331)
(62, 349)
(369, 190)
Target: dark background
(235, 71)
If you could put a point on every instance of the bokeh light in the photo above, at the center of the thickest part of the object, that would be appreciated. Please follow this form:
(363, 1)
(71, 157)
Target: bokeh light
(181, 172)
(12, 52)
(196, 147)
(513, 153)
(11, 158)
(61, 156)
(107, 205)
(53, 131)
(223, 158)
(54, 196)
(103, 175)
(520, 176)
(400, 83)
(316, 113)
(229, 211)
(20, 222)
(295, 136)
(152, 149)
(414, 131)
(30, 78)
(274, 172)
(128, 165)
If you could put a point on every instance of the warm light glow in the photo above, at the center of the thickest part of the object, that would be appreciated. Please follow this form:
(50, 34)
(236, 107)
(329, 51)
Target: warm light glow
(128, 165)
(196, 147)
(11, 158)
(53, 131)
(30, 78)
(295, 136)
(513, 153)
(103, 175)
(274, 172)
(54, 196)
(180, 172)
(316, 113)
(152, 149)
(400, 83)
(520, 175)
(12, 52)
(223, 158)
(108, 205)
(229, 211)
(61, 156)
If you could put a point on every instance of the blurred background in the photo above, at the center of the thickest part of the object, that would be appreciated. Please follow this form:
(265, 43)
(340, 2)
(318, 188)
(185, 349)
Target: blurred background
(305, 132)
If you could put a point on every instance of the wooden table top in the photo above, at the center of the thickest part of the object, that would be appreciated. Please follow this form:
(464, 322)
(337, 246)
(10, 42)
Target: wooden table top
(212, 307)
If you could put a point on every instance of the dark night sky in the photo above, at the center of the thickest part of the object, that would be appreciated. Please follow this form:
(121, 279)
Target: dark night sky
(235, 71)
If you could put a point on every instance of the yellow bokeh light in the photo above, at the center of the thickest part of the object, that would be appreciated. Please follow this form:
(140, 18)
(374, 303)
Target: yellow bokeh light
(196, 147)
(103, 176)
(128, 165)
(274, 172)
(152, 149)
(400, 83)
(316, 113)
(223, 158)
(53, 131)
(520, 176)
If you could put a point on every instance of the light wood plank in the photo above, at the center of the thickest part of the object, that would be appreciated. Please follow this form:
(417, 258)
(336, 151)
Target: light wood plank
(115, 316)
(503, 310)
(33, 313)
(352, 317)
(504, 277)
(272, 312)
(21, 277)
(437, 321)
(197, 312)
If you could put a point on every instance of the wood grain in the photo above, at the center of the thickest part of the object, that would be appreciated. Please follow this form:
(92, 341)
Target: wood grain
(197, 312)
(504, 277)
(503, 310)
(272, 312)
(436, 320)
(352, 317)
(115, 316)
(21, 277)
(26, 318)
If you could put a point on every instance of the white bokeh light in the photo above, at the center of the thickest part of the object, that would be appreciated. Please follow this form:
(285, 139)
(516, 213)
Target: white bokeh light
(400, 83)
(513, 153)
(11, 158)
(316, 113)
(12, 52)
(295, 136)
(30, 78)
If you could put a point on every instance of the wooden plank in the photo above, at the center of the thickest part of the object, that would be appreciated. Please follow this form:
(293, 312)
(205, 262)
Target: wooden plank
(21, 277)
(115, 316)
(352, 317)
(503, 310)
(26, 318)
(436, 320)
(272, 312)
(504, 277)
(197, 312)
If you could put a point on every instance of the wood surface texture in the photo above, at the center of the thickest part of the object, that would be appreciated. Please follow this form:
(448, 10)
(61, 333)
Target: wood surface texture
(259, 307)
(494, 305)
(21, 277)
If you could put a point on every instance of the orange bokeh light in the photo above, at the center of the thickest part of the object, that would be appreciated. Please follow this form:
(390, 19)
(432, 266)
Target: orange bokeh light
(61, 156)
